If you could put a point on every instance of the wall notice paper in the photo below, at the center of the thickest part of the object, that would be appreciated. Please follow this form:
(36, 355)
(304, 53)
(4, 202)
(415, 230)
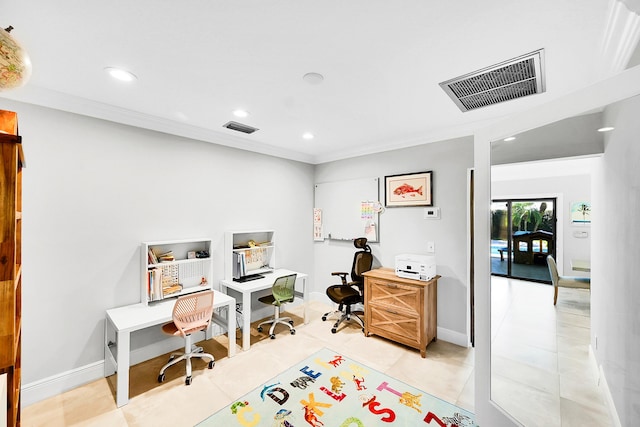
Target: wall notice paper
(370, 231)
(317, 224)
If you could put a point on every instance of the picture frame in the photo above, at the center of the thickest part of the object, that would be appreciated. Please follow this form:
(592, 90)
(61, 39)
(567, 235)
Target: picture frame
(581, 213)
(413, 189)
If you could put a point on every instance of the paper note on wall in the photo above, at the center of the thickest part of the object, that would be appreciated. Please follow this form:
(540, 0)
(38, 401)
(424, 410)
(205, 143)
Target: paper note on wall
(317, 224)
(370, 231)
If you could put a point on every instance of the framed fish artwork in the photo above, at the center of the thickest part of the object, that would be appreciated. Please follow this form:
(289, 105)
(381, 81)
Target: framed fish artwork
(414, 189)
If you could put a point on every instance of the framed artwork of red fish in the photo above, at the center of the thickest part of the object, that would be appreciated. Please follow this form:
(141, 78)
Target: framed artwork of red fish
(414, 189)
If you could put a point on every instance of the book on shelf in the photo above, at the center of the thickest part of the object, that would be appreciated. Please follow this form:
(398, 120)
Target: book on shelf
(152, 257)
(167, 256)
(154, 287)
(169, 290)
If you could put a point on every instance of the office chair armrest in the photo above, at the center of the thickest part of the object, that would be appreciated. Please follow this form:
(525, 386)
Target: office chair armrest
(342, 275)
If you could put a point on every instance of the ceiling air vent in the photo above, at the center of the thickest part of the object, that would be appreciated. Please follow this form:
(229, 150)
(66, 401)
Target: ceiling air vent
(508, 80)
(240, 127)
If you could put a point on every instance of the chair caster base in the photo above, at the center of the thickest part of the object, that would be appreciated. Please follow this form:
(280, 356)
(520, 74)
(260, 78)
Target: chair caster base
(272, 336)
(334, 330)
(293, 332)
(259, 328)
(187, 381)
(161, 378)
(324, 318)
(212, 364)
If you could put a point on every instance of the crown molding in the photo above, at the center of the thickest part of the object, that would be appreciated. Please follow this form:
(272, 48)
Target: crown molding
(48, 98)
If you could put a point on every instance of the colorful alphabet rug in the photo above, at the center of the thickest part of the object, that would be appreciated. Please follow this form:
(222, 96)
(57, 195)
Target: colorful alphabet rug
(329, 390)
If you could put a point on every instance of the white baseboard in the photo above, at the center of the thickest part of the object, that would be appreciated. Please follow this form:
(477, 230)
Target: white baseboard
(602, 384)
(48, 387)
(453, 337)
(65, 381)
(59, 383)
(447, 335)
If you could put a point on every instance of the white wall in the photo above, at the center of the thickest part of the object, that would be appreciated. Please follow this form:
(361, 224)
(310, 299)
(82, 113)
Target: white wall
(614, 89)
(615, 295)
(94, 190)
(567, 189)
(403, 230)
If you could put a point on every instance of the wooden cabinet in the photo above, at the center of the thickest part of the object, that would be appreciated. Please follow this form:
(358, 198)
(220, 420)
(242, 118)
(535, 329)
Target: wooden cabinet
(402, 310)
(11, 163)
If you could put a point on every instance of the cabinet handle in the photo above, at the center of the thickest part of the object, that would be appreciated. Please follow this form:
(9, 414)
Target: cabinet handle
(392, 285)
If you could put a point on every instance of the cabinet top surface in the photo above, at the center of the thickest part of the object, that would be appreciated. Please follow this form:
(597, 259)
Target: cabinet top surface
(388, 273)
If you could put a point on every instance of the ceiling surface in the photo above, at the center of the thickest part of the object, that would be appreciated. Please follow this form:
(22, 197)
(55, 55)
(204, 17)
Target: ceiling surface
(197, 61)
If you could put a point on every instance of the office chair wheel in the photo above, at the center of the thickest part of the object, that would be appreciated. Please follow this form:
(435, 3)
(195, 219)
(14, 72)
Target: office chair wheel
(212, 364)
(187, 381)
(324, 317)
(291, 322)
(272, 336)
(293, 332)
(259, 328)
(161, 378)
(334, 330)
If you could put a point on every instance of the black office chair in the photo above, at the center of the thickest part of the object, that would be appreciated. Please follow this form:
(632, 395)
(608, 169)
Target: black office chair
(347, 294)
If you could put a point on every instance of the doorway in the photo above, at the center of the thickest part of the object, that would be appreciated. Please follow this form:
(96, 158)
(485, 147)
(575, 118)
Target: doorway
(523, 233)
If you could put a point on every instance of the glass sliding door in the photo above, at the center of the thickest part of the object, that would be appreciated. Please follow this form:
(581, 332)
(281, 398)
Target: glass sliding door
(523, 233)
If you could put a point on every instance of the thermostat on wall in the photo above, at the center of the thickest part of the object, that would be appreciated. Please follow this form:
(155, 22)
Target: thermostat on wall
(432, 213)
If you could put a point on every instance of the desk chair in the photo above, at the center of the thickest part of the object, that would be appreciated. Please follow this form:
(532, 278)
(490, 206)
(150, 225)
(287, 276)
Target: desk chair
(282, 292)
(565, 281)
(347, 294)
(191, 313)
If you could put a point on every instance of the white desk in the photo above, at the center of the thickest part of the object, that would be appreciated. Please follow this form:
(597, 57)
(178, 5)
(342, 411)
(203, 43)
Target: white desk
(247, 288)
(581, 265)
(130, 318)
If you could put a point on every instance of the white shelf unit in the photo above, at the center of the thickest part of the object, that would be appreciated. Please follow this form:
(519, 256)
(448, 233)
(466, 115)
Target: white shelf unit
(256, 247)
(188, 273)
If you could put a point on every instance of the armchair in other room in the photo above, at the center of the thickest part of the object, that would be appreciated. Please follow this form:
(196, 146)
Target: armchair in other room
(282, 292)
(564, 281)
(191, 313)
(347, 294)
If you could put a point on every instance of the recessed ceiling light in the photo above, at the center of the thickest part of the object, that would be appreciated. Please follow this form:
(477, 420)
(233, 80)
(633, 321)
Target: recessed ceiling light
(240, 113)
(313, 78)
(606, 129)
(511, 138)
(307, 135)
(120, 74)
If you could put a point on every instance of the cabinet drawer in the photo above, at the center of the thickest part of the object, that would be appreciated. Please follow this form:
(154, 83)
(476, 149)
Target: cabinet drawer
(395, 296)
(399, 326)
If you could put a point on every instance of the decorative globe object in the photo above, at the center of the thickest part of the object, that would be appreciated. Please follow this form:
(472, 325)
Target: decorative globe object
(15, 65)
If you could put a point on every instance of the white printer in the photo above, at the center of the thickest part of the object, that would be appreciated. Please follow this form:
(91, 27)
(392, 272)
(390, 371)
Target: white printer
(418, 267)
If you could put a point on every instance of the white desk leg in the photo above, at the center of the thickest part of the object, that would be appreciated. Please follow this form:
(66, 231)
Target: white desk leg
(231, 328)
(305, 300)
(246, 320)
(122, 386)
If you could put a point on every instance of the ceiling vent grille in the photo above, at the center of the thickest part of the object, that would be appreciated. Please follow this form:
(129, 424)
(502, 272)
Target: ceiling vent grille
(239, 127)
(502, 82)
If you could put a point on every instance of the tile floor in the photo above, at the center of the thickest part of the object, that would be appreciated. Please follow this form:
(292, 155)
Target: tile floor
(541, 373)
(534, 373)
(447, 372)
